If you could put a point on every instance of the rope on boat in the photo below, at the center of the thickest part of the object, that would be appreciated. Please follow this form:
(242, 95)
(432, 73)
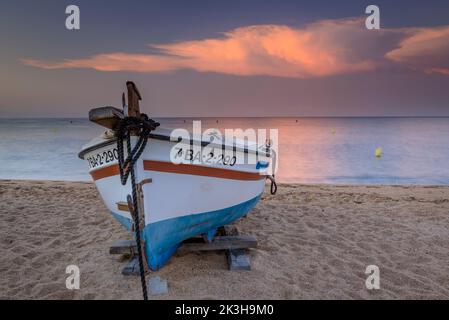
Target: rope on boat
(141, 127)
(274, 186)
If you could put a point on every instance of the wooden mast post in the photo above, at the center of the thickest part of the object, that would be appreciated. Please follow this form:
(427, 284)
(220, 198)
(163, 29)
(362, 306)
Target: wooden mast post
(133, 99)
(134, 111)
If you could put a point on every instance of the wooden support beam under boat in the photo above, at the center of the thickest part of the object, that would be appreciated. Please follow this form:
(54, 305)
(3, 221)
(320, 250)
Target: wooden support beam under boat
(123, 247)
(127, 247)
(238, 259)
(220, 243)
(231, 242)
(132, 267)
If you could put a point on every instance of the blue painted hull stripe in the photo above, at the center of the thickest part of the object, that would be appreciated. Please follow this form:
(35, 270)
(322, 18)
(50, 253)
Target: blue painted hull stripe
(162, 238)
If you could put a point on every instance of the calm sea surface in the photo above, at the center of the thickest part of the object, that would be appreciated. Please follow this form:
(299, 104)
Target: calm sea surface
(311, 150)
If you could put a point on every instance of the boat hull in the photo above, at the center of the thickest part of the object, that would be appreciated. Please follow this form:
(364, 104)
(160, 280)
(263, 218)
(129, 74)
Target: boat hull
(182, 200)
(163, 238)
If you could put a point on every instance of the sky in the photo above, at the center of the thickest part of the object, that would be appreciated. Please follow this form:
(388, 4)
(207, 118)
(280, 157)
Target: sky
(226, 58)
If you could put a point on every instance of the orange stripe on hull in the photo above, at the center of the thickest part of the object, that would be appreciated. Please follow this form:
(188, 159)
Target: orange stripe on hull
(105, 172)
(169, 167)
(200, 170)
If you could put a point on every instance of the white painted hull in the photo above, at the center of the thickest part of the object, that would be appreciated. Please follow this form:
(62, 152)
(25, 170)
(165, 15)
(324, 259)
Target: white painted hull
(182, 200)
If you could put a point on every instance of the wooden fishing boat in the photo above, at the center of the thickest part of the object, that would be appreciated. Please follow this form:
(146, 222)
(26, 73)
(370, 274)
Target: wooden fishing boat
(176, 200)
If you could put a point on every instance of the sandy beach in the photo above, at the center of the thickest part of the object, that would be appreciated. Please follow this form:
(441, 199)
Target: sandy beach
(315, 242)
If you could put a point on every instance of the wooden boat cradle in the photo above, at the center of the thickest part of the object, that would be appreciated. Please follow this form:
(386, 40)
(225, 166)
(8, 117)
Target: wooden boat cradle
(227, 239)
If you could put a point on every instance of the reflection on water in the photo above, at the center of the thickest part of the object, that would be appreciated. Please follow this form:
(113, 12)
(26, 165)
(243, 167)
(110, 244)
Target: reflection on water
(311, 150)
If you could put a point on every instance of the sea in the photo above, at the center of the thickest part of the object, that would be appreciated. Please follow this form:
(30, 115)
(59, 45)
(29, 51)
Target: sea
(310, 150)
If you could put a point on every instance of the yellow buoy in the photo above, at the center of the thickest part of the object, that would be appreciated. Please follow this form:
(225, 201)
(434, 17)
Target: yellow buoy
(378, 152)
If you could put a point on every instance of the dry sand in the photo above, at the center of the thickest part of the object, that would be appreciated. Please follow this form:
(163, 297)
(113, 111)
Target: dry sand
(314, 243)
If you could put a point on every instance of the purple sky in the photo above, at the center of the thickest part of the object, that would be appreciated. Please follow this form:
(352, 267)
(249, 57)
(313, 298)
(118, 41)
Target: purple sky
(233, 58)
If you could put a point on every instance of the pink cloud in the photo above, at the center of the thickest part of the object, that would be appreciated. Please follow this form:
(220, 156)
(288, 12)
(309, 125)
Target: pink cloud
(324, 48)
(274, 50)
(424, 49)
(111, 62)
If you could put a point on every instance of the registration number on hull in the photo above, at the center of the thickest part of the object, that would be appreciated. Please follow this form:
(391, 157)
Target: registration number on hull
(101, 158)
(203, 156)
(181, 155)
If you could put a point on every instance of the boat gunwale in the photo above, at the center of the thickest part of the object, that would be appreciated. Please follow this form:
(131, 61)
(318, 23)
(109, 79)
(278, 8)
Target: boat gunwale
(99, 145)
(190, 169)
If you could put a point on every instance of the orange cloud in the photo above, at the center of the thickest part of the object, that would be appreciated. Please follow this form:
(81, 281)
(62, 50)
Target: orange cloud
(274, 50)
(254, 50)
(324, 48)
(111, 62)
(424, 49)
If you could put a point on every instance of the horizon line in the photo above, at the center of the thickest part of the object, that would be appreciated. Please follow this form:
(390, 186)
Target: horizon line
(238, 117)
